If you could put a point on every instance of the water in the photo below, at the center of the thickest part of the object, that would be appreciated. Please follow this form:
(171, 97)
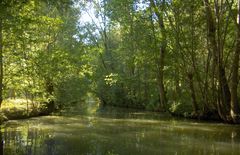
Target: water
(115, 131)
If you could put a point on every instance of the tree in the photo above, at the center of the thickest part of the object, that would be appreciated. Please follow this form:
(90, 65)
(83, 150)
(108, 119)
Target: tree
(1, 58)
(234, 112)
(163, 46)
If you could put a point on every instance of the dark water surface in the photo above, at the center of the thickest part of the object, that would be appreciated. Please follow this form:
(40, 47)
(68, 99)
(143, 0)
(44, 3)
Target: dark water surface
(114, 131)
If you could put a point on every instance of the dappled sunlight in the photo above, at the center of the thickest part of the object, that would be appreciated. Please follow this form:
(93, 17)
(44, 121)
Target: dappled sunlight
(11, 103)
(21, 108)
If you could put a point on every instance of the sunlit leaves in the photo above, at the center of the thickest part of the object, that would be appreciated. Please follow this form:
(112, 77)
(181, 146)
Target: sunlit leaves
(111, 79)
(39, 46)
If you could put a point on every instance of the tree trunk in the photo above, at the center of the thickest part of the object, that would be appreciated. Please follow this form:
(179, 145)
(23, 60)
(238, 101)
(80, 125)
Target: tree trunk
(49, 87)
(234, 113)
(161, 80)
(224, 96)
(163, 46)
(1, 61)
(193, 94)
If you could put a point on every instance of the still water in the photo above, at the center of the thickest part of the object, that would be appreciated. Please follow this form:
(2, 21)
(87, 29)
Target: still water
(116, 131)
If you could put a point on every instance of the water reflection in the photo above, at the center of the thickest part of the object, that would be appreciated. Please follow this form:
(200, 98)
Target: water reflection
(1, 143)
(113, 131)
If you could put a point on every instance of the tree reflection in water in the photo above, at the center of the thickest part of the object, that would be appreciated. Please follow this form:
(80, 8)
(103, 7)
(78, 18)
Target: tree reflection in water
(117, 132)
(1, 144)
(25, 140)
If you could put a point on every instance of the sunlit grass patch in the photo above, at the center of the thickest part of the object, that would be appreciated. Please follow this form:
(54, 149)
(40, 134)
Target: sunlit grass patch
(20, 108)
(15, 105)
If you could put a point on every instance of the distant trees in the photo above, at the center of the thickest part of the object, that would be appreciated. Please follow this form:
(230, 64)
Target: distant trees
(161, 54)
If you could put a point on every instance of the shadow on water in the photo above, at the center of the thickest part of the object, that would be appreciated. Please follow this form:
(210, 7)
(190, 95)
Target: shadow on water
(90, 130)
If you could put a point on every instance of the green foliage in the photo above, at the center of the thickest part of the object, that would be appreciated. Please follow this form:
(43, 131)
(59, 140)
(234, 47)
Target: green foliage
(71, 91)
(126, 68)
(126, 55)
(40, 50)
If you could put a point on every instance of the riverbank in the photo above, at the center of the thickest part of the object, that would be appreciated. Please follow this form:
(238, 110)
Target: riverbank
(179, 111)
(22, 109)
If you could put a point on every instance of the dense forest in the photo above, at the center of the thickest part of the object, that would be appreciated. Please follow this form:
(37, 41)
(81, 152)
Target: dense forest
(180, 56)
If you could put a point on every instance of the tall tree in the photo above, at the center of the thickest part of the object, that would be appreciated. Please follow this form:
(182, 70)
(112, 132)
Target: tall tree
(1, 57)
(216, 44)
(235, 113)
(163, 45)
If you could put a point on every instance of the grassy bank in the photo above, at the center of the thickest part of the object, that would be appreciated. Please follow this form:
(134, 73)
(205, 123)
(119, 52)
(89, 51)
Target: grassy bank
(21, 108)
